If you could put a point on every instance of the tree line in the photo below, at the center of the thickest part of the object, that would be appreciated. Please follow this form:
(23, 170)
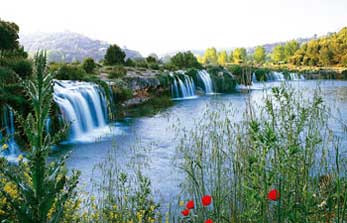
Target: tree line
(329, 50)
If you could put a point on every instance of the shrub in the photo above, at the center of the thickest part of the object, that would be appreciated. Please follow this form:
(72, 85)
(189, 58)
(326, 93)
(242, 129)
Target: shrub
(89, 65)
(117, 72)
(153, 66)
(235, 69)
(260, 73)
(70, 72)
(23, 67)
(140, 62)
(121, 90)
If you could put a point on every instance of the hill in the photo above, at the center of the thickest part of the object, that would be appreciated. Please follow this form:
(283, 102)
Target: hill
(69, 46)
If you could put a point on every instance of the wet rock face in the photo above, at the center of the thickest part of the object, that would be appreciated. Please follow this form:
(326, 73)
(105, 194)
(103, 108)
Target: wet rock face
(136, 83)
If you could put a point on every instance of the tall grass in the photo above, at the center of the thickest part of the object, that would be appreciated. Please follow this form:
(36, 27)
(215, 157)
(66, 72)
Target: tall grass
(121, 193)
(286, 145)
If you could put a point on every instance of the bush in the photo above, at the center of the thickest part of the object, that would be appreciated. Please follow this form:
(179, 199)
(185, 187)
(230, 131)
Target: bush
(70, 72)
(121, 91)
(23, 67)
(7, 76)
(89, 65)
(222, 79)
(260, 73)
(140, 62)
(153, 66)
(117, 72)
(235, 69)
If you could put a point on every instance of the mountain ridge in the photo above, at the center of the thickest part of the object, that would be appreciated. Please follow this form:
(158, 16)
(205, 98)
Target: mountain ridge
(69, 46)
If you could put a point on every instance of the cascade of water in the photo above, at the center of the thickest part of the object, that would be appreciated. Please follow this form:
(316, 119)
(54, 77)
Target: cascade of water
(302, 77)
(48, 125)
(206, 80)
(82, 104)
(294, 76)
(254, 78)
(275, 76)
(11, 150)
(183, 86)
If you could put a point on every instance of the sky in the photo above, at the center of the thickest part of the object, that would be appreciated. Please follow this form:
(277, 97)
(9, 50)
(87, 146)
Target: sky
(162, 26)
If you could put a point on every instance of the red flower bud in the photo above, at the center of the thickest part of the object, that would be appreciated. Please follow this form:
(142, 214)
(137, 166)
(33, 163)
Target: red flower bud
(185, 212)
(273, 195)
(206, 200)
(209, 221)
(190, 204)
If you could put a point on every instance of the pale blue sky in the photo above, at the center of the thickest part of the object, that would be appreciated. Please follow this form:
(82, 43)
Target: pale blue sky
(167, 25)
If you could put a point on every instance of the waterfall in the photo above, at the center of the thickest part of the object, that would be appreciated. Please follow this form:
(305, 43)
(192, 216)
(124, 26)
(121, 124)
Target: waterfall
(83, 105)
(294, 76)
(183, 86)
(206, 80)
(275, 76)
(254, 78)
(12, 150)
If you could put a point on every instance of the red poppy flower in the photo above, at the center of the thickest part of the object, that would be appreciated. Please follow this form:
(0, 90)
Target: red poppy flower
(185, 212)
(190, 204)
(206, 200)
(209, 221)
(273, 195)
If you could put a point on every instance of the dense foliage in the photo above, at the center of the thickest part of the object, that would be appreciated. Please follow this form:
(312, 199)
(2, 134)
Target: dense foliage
(70, 72)
(117, 72)
(9, 39)
(259, 55)
(329, 50)
(185, 60)
(88, 65)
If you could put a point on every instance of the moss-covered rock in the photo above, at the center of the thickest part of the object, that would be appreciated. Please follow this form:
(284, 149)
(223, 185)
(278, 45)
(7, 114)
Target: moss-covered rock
(223, 80)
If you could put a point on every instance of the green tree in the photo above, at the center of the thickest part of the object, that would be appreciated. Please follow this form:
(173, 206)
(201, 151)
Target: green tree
(290, 49)
(210, 56)
(231, 56)
(222, 58)
(239, 55)
(88, 65)
(259, 55)
(8, 36)
(42, 187)
(278, 55)
(151, 59)
(185, 60)
(114, 55)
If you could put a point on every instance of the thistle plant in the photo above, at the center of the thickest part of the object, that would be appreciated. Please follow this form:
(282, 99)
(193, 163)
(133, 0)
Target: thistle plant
(37, 189)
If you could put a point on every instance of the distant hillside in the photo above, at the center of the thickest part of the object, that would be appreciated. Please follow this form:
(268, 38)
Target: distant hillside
(270, 46)
(69, 46)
